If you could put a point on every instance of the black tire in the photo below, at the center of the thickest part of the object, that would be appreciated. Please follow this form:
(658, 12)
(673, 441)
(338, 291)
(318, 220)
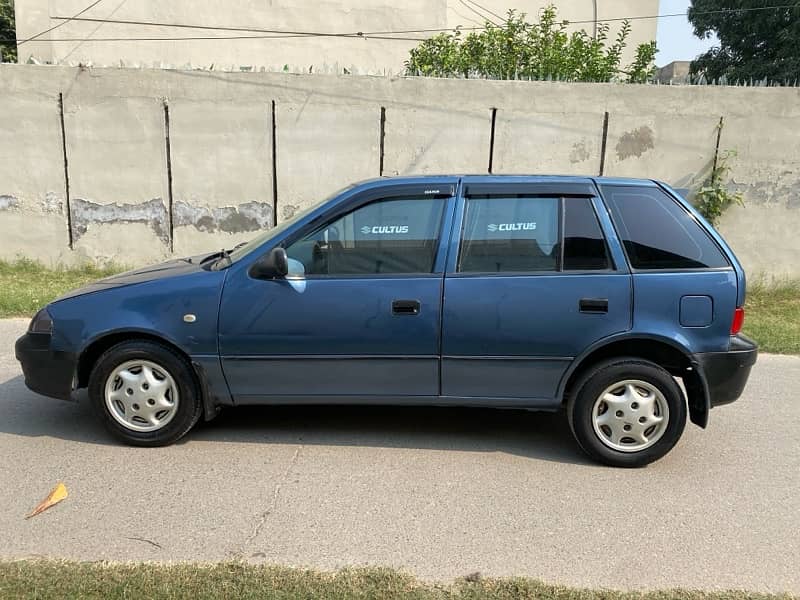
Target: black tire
(190, 405)
(587, 390)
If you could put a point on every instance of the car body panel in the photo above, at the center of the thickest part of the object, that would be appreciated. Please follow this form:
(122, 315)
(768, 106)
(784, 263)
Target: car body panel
(281, 337)
(156, 306)
(518, 334)
(657, 297)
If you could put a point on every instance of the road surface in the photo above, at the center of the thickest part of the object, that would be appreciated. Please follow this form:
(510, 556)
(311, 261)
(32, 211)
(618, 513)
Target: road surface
(437, 492)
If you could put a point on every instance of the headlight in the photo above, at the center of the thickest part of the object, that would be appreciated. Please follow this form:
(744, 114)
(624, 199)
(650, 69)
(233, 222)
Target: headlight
(41, 323)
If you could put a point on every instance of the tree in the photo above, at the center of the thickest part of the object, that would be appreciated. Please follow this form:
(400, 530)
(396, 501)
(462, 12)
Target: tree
(753, 44)
(518, 49)
(8, 49)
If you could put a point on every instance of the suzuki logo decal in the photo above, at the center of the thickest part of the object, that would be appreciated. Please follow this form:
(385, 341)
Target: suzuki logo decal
(512, 227)
(378, 229)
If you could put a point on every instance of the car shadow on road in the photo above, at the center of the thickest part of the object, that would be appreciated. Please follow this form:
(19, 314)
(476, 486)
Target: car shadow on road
(542, 436)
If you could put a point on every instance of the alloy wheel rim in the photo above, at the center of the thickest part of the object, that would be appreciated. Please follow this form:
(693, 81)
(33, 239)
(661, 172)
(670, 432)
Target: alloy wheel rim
(630, 415)
(141, 395)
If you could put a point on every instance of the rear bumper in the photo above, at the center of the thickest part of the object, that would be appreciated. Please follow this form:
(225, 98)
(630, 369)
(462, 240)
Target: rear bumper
(47, 372)
(726, 373)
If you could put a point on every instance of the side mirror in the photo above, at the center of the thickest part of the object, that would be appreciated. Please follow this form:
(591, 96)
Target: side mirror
(271, 266)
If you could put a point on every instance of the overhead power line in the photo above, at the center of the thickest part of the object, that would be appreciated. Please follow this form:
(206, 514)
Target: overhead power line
(212, 37)
(64, 22)
(477, 12)
(229, 28)
(484, 9)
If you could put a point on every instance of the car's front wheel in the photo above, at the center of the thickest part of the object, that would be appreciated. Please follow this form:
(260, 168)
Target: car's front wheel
(627, 412)
(145, 393)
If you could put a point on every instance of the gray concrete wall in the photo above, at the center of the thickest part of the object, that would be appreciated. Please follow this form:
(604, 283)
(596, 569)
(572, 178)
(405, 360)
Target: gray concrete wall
(100, 44)
(235, 138)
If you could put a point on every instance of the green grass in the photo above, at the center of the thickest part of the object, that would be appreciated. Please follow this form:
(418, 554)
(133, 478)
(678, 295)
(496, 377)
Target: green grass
(26, 285)
(772, 315)
(234, 580)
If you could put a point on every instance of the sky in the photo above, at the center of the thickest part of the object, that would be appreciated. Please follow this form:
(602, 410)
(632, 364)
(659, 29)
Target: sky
(676, 39)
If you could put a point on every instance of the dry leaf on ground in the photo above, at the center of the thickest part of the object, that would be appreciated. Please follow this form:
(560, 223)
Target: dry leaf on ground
(58, 494)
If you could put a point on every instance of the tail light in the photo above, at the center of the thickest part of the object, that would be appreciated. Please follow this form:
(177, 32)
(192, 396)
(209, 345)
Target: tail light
(738, 320)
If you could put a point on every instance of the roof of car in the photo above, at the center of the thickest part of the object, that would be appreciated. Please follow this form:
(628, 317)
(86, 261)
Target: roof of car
(486, 178)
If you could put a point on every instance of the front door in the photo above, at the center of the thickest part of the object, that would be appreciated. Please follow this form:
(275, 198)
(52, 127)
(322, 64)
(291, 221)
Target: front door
(358, 316)
(530, 286)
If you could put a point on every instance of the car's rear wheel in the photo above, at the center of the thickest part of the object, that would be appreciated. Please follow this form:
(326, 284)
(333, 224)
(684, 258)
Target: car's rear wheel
(145, 393)
(627, 412)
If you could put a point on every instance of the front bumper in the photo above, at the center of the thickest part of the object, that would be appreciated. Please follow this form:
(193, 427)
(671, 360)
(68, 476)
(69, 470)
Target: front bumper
(726, 373)
(47, 372)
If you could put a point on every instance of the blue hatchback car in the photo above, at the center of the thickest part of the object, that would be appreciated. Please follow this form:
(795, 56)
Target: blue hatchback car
(609, 298)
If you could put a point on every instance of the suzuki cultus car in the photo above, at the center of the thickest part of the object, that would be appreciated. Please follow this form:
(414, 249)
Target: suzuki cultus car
(597, 296)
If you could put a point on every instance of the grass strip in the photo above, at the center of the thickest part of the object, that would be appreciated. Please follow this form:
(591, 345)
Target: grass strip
(772, 316)
(27, 285)
(43, 579)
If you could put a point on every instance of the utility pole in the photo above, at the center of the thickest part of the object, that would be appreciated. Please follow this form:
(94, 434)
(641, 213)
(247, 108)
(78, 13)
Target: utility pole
(594, 20)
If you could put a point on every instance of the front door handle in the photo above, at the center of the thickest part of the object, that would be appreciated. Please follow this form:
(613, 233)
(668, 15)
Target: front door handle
(405, 307)
(593, 305)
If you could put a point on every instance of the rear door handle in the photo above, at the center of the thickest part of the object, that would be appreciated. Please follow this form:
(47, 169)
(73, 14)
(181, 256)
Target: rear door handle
(593, 305)
(405, 307)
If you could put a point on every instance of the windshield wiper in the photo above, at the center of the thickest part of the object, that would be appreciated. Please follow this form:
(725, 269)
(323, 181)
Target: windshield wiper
(224, 255)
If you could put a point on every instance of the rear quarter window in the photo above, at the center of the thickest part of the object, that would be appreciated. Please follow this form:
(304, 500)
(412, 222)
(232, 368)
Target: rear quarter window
(658, 233)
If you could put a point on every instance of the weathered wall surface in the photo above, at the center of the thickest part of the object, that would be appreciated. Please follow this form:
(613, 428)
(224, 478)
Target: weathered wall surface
(99, 44)
(118, 186)
(221, 169)
(321, 147)
(33, 217)
(163, 163)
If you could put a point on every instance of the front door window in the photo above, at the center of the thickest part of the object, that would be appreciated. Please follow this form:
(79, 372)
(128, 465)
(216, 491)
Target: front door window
(389, 236)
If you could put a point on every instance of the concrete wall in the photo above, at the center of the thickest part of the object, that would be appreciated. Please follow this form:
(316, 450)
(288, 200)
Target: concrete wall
(163, 163)
(97, 43)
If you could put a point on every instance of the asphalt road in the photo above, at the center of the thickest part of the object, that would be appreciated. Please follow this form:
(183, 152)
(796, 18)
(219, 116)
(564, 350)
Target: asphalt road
(437, 492)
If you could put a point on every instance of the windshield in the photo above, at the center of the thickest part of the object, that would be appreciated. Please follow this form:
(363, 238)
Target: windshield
(245, 249)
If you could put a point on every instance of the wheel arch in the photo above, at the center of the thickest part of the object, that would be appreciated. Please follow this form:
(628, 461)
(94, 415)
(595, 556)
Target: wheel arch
(95, 348)
(667, 353)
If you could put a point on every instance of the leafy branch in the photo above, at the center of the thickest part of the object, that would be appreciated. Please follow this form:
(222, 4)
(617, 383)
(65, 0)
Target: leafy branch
(8, 51)
(519, 49)
(714, 197)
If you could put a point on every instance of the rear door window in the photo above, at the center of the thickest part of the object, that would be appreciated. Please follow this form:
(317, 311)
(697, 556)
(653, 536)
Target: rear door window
(584, 244)
(510, 234)
(529, 234)
(658, 233)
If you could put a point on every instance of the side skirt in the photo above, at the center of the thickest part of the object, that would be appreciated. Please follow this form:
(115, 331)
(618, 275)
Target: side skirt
(546, 404)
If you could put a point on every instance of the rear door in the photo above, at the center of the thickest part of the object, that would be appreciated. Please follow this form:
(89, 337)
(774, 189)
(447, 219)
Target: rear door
(531, 283)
